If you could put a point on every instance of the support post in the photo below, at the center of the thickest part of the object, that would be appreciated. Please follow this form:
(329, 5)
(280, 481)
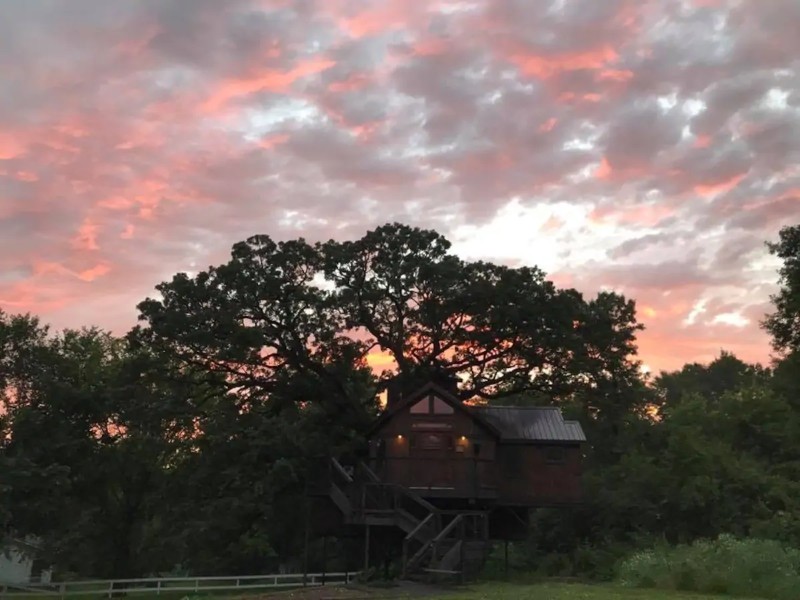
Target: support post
(307, 534)
(462, 549)
(366, 549)
(324, 557)
(506, 557)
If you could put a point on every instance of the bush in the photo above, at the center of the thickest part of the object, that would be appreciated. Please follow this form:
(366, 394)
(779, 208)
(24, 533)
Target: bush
(585, 562)
(747, 567)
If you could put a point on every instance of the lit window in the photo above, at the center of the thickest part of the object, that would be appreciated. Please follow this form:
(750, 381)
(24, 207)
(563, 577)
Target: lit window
(440, 407)
(420, 408)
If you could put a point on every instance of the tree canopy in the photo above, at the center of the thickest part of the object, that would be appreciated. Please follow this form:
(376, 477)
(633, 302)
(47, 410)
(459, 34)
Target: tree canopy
(184, 445)
(784, 323)
(280, 310)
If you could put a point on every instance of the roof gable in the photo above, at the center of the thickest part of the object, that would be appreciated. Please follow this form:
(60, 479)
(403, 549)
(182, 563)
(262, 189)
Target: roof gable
(440, 392)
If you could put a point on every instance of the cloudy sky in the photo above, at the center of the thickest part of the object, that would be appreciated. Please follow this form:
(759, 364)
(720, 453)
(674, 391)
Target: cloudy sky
(649, 147)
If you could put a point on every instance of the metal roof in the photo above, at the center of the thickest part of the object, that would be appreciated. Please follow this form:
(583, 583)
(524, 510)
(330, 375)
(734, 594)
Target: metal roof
(540, 423)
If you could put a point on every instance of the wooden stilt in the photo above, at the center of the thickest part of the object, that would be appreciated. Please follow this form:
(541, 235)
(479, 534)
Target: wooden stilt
(366, 549)
(307, 533)
(506, 557)
(462, 549)
(324, 557)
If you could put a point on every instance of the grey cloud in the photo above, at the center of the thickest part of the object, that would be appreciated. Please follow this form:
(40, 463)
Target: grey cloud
(671, 274)
(432, 119)
(640, 133)
(638, 244)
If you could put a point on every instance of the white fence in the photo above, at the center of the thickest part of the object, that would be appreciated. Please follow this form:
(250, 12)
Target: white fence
(174, 585)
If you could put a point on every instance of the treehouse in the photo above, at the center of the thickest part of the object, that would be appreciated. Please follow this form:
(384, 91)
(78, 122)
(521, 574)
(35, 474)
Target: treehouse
(454, 454)
(443, 478)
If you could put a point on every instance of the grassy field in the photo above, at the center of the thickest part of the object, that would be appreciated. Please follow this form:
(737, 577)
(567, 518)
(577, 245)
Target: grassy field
(492, 591)
(484, 591)
(563, 591)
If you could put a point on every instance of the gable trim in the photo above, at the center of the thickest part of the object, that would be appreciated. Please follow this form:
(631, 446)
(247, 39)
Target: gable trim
(430, 388)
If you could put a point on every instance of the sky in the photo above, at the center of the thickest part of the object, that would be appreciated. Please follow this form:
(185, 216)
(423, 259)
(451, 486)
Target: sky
(647, 147)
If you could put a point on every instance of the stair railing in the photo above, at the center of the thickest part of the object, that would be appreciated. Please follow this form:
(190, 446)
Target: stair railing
(378, 495)
(432, 545)
(339, 472)
(412, 503)
(429, 521)
(368, 473)
(457, 522)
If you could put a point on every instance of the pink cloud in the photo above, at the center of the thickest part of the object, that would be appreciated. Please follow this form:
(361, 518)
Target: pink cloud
(702, 141)
(722, 187)
(138, 141)
(603, 170)
(545, 67)
(267, 81)
(617, 75)
(87, 236)
(10, 146)
(92, 273)
(128, 232)
(638, 215)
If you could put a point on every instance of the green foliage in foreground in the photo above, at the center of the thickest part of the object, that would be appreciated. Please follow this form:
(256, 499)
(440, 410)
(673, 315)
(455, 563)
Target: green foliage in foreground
(750, 567)
(563, 591)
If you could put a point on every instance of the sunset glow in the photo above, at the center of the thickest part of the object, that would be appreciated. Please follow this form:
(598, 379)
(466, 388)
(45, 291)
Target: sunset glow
(644, 147)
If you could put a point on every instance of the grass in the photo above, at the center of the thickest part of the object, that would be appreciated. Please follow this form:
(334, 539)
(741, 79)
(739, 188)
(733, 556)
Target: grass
(482, 591)
(566, 591)
(492, 591)
(726, 565)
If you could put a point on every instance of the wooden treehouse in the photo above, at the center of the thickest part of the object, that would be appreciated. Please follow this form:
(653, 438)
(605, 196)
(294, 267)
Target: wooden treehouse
(444, 478)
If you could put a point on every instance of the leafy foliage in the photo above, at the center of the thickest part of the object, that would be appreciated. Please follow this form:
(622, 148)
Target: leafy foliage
(726, 565)
(185, 444)
(784, 323)
(503, 331)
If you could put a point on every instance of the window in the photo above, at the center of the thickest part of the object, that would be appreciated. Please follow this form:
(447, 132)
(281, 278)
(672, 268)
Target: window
(476, 449)
(555, 455)
(431, 404)
(440, 407)
(421, 408)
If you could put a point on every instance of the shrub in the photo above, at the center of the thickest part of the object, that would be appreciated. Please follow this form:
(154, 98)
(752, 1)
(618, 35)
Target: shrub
(746, 567)
(586, 562)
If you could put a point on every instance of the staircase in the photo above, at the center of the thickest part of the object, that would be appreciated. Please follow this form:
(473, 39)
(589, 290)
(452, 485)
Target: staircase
(438, 543)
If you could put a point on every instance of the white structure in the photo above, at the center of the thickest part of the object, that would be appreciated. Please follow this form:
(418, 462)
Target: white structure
(17, 564)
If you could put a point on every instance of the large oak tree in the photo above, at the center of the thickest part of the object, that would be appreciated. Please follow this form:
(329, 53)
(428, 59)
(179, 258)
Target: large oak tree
(277, 312)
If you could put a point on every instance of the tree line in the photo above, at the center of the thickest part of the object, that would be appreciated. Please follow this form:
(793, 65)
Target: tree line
(183, 446)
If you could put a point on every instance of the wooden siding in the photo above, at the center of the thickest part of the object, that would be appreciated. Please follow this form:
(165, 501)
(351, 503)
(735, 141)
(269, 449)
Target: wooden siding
(450, 455)
(531, 475)
(436, 452)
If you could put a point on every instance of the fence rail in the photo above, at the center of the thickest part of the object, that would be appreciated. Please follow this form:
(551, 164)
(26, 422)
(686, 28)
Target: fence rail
(168, 585)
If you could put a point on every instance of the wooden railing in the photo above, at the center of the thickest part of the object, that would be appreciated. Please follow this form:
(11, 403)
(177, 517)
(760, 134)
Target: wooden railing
(460, 527)
(435, 536)
(470, 476)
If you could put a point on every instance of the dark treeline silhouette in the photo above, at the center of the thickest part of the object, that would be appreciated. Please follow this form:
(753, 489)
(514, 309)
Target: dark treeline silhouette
(183, 446)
